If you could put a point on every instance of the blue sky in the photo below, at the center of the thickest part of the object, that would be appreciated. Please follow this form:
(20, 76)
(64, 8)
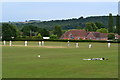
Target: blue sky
(21, 11)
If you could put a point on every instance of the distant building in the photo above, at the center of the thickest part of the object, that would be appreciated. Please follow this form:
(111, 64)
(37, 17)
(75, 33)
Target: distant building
(97, 36)
(82, 34)
(117, 36)
(74, 34)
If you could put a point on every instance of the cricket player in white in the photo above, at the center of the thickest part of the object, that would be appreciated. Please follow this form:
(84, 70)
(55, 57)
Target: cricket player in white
(90, 45)
(10, 43)
(39, 43)
(25, 43)
(109, 45)
(4, 42)
(42, 43)
(68, 43)
(77, 45)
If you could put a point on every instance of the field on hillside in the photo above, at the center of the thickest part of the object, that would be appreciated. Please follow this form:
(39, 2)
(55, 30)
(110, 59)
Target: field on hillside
(59, 61)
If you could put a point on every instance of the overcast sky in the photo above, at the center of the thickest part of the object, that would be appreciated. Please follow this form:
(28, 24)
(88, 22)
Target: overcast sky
(21, 11)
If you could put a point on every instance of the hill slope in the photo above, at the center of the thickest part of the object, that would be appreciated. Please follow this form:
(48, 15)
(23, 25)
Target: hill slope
(73, 23)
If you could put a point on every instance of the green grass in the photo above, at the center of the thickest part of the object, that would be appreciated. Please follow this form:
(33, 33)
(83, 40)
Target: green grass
(22, 62)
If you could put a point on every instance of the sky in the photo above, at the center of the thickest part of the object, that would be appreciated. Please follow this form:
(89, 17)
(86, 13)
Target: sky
(59, 0)
(44, 11)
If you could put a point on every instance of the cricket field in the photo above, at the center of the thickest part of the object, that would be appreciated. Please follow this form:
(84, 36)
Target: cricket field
(57, 60)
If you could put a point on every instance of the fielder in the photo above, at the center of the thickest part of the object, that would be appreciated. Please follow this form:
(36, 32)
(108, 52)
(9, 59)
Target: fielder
(39, 43)
(77, 45)
(10, 43)
(90, 45)
(4, 42)
(25, 43)
(42, 43)
(68, 44)
(109, 45)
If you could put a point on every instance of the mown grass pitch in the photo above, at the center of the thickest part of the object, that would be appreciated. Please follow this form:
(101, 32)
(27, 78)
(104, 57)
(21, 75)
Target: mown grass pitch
(23, 62)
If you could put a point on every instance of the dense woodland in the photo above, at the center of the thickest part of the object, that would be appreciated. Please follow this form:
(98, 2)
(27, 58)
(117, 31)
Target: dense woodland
(37, 29)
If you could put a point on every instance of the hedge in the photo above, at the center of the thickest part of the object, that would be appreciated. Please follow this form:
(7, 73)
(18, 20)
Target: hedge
(60, 40)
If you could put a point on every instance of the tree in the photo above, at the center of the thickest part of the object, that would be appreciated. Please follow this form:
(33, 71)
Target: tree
(81, 17)
(90, 26)
(111, 36)
(110, 23)
(118, 24)
(26, 31)
(44, 32)
(94, 27)
(53, 37)
(39, 35)
(99, 25)
(57, 31)
(9, 31)
(29, 30)
(102, 30)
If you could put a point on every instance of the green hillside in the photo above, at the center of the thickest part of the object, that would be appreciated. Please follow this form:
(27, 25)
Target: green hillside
(74, 23)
